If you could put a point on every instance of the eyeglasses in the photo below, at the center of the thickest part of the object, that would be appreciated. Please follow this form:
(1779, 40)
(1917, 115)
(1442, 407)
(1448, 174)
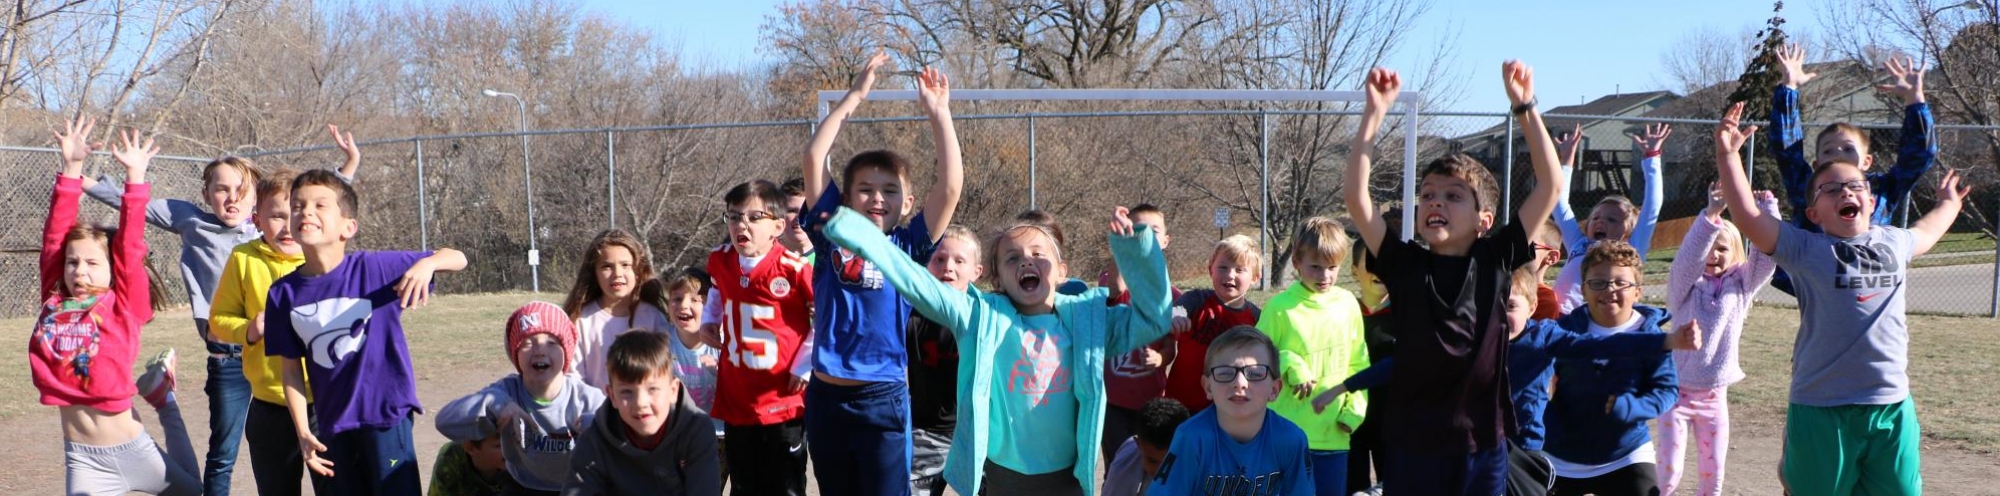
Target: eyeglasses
(1542, 246)
(1609, 284)
(753, 216)
(1227, 373)
(1857, 186)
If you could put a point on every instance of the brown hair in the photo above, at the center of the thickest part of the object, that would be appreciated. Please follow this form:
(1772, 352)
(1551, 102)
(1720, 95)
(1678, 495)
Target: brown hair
(882, 160)
(773, 198)
(274, 186)
(1238, 338)
(100, 234)
(1860, 137)
(1485, 190)
(1812, 194)
(348, 199)
(586, 290)
(251, 177)
(1321, 237)
(1618, 254)
(1046, 220)
(636, 356)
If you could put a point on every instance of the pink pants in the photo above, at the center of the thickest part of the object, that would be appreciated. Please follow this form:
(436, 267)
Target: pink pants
(1707, 410)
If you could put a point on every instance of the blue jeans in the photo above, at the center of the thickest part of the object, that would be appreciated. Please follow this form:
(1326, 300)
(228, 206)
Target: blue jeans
(228, 405)
(1329, 472)
(1482, 473)
(859, 437)
(372, 461)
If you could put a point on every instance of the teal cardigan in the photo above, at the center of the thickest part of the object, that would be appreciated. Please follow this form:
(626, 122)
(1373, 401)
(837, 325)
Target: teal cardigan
(1097, 331)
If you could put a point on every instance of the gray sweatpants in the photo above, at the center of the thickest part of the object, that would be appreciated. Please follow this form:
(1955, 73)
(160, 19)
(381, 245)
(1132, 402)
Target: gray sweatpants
(137, 465)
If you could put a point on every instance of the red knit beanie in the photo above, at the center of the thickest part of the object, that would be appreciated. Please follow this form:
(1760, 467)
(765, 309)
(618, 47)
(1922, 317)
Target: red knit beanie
(540, 318)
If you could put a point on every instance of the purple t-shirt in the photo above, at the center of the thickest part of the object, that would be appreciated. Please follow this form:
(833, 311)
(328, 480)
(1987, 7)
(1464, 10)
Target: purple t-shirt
(347, 325)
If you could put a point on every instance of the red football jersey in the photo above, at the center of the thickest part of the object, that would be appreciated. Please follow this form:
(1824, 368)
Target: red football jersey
(764, 320)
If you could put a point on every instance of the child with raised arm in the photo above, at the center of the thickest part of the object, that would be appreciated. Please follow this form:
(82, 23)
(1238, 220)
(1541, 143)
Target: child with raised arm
(1317, 329)
(338, 319)
(1234, 267)
(1133, 379)
(1916, 149)
(1029, 415)
(650, 439)
(758, 317)
(539, 410)
(1239, 446)
(860, 435)
(1448, 412)
(614, 292)
(237, 317)
(95, 301)
(934, 364)
(1716, 289)
(1851, 423)
(207, 239)
(1614, 217)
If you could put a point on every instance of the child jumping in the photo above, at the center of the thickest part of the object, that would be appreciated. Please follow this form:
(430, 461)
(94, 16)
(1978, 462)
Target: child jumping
(1448, 412)
(860, 426)
(342, 314)
(1318, 331)
(614, 292)
(1030, 391)
(539, 410)
(95, 301)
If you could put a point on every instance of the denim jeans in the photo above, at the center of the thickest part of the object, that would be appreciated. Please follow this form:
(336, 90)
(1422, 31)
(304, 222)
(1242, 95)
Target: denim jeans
(228, 405)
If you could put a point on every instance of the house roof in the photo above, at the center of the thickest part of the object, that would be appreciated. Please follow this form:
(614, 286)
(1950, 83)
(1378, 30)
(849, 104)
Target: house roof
(1608, 105)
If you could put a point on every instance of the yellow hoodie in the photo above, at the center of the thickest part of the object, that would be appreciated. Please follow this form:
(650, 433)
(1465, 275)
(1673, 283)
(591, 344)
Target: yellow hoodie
(239, 299)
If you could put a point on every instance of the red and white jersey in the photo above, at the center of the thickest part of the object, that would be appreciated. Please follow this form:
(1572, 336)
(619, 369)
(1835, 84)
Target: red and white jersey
(765, 317)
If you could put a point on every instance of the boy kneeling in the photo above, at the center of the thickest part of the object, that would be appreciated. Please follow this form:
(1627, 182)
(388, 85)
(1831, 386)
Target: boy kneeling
(660, 443)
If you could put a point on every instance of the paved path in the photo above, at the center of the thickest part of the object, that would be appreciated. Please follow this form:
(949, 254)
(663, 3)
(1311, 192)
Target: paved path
(1954, 289)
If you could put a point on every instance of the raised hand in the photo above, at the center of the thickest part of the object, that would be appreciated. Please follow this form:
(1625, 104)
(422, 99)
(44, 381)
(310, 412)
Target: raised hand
(76, 147)
(1792, 59)
(346, 143)
(1716, 205)
(866, 79)
(934, 92)
(1519, 80)
(1567, 144)
(415, 288)
(1765, 196)
(1729, 135)
(1655, 137)
(1948, 189)
(1382, 86)
(1686, 338)
(1121, 222)
(135, 153)
(1906, 79)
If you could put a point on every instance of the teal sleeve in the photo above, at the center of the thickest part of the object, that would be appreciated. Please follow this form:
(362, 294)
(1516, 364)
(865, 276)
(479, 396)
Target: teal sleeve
(1150, 313)
(937, 301)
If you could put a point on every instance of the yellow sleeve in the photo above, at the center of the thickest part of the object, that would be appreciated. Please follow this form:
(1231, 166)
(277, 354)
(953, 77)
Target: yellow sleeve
(1355, 406)
(228, 314)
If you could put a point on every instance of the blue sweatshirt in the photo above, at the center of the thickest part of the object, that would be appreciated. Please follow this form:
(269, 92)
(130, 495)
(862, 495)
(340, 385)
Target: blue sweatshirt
(1638, 389)
(1204, 460)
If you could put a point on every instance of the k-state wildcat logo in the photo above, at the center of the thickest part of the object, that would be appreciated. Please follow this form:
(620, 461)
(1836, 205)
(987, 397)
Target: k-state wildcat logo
(333, 328)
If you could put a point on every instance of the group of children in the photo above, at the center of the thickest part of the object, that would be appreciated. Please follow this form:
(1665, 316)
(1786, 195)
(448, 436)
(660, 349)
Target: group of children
(884, 366)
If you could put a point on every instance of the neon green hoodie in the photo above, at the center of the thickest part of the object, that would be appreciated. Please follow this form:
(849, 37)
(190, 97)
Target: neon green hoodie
(1319, 338)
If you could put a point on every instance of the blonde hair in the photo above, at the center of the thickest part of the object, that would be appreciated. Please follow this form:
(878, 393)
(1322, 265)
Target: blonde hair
(962, 233)
(251, 177)
(1729, 234)
(1624, 204)
(1321, 237)
(992, 257)
(1525, 283)
(1238, 248)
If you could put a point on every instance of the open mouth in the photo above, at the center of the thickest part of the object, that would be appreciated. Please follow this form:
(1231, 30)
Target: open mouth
(742, 239)
(1599, 235)
(1850, 211)
(541, 365)
(1434, 220)
(1239, 399)
(1030, 282)
(878, 213)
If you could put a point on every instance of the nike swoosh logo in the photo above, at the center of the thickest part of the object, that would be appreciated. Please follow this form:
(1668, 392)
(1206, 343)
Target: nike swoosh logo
(795, 449)
(1865, 298)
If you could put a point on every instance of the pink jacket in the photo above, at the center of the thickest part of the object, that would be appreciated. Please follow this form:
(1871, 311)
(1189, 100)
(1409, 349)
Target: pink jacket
(1720, 303)
(83, 356)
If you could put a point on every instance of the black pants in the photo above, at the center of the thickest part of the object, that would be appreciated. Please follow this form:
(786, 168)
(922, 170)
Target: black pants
(766, 460)
(1638, 479)
(1528, 472)
(1363, 455)
(1119, 424)
(275, 461)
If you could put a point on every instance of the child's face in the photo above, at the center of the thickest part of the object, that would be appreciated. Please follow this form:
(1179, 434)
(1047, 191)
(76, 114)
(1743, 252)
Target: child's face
(752, 227)
(615, 277)
(1150, 457)
(955, 262)
(1315, 273)
(317, 219)
(1029, 269)
(1720, 256)
(1612, 304)
(1519, 308)
(1159, 223)
(795, 238)
(1373, 293)
(274, 217)
(540, 357)
(1836, 205)
(228, 196)
(684, 307)
(1448, 212)
(879, 195)
(1608, 221)
(86, 267)
(1240, 397)
(486, 454)
(644, 405)
(1231, 277)
(1844, 147)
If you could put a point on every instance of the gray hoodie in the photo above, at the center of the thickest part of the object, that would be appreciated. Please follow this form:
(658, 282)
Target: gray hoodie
(538, 447)
(685, 462)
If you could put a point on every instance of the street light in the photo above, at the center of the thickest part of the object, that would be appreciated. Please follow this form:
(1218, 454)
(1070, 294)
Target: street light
(528, 170)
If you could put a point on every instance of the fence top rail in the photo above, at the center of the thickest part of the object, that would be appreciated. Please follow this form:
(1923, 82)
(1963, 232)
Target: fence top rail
(4, 148)
(1184, 95)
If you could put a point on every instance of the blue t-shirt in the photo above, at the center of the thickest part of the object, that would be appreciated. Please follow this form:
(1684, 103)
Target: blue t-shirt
(1034, 398)
(1205, 461)
(347, 325)
(858, 319)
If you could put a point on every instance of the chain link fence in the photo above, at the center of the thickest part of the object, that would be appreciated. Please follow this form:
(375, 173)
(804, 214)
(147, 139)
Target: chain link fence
(1254, 168)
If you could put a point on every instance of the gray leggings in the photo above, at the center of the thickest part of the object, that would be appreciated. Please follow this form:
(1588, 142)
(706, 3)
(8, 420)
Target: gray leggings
(137, 465)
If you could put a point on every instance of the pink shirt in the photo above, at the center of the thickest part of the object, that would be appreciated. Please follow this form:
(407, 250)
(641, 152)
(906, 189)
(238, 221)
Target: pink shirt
(82, 354)
(1720, 303)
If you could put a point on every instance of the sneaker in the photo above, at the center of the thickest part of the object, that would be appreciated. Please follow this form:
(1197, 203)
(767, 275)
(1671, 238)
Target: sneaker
(158, 380)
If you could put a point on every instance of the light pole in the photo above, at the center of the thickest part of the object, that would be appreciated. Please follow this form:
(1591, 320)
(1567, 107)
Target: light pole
(528, 173)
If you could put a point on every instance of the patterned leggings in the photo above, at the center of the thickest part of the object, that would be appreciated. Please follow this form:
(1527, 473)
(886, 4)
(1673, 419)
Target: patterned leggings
(1707, 411)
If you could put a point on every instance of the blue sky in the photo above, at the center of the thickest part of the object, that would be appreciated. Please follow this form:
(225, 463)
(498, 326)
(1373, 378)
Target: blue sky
(1580, 49)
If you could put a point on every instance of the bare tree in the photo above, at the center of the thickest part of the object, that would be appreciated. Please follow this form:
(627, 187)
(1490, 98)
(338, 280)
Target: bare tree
(1704, 57)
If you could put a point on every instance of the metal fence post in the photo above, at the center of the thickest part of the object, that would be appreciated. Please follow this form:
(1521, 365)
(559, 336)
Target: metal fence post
(1507, 174)
(423, 208)
(611, 172)
(1031, 162)
(1995, 311)
(1264, 182)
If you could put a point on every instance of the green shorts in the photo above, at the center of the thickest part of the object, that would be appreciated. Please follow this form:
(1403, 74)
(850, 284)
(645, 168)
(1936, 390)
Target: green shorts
(1853, 449)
